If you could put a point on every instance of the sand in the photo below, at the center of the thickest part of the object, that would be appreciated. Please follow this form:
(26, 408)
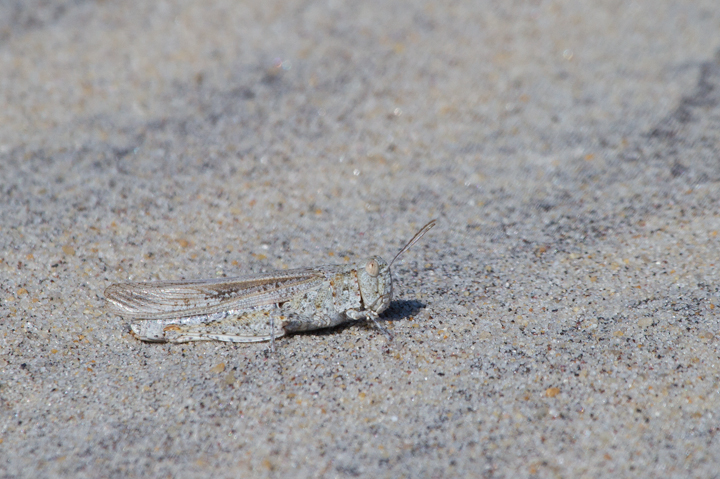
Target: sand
(560, 321)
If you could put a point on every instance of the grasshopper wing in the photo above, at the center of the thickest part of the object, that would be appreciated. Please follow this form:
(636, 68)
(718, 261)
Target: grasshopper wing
(182, 299)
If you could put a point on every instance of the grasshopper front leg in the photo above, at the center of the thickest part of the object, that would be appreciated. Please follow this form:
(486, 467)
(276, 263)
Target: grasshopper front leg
(364, 314)
(368, 314)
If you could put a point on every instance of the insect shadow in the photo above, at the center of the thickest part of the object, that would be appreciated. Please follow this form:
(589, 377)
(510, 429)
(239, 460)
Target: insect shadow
(397, 311)
(403, 309)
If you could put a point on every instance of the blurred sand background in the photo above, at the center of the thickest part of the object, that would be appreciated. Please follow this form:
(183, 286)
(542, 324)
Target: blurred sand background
(560, 321)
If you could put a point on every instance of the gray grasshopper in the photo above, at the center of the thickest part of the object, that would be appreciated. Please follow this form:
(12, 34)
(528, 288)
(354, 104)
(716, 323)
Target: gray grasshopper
(256, 308)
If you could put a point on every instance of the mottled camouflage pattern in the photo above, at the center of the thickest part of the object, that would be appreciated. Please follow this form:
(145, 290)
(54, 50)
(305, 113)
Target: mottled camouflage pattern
(256, 308)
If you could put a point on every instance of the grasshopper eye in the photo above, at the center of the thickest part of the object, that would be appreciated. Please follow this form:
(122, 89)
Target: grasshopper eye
(372, 267)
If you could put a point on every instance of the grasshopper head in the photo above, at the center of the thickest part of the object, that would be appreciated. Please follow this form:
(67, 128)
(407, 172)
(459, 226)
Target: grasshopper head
(375, 284)
(375, 279)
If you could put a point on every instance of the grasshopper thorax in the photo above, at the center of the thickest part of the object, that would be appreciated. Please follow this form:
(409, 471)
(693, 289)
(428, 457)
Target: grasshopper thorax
(375, 284)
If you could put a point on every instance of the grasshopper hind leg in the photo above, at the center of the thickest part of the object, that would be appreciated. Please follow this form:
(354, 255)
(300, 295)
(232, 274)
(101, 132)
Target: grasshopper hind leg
(228, 338)
(254, 327)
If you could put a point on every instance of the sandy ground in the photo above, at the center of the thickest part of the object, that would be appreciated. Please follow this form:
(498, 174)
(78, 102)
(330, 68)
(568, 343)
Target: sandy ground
(560, 321)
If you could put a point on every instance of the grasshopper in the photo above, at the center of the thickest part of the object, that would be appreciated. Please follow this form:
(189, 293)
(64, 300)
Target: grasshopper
(261, 307)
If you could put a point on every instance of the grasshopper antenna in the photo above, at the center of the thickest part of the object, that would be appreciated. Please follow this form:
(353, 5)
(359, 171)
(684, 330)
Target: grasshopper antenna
(414, 240)
(372, 315)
